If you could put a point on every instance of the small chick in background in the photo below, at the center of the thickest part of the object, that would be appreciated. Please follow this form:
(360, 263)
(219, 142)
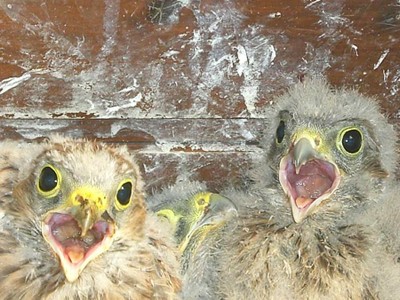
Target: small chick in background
(198, 218)
(318, 220)
(74, 225)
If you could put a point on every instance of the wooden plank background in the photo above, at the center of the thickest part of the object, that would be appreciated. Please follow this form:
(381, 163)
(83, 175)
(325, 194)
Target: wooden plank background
(184, 82)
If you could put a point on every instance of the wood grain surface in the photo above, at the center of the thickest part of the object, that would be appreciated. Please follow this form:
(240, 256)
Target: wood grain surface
(184, 83)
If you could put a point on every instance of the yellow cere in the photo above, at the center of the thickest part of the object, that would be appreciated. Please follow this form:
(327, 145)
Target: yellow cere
(316, 139)
(89, 195)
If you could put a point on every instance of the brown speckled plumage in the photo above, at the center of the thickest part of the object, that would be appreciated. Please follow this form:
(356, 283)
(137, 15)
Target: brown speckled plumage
(141, 262)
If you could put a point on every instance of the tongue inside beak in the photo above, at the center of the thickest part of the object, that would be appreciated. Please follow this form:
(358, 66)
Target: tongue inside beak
(313, 179)
(308, 185)
(75, 250)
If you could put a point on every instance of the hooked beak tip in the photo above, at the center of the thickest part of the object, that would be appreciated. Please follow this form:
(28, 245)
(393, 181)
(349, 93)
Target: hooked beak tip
(303, 151)
(86, 219)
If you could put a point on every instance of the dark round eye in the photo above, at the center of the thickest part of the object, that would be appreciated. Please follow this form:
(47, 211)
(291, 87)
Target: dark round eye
(124, 193)
(280, 132)
(352, 140)
(201, 201)
(48, 179)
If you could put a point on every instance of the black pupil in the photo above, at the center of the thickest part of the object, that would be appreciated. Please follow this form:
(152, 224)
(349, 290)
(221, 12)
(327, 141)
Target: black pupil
(280, 132)
(48, 179)
(124, 193)
(352, 141)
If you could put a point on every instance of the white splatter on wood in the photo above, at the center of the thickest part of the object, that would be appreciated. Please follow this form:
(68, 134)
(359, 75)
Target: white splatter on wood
(12, 82)
(253, 60)
(110, 24)
(132, 102)
(355, 49)
(312, 3)
(243, 61)
(381, 59)
(275, 15)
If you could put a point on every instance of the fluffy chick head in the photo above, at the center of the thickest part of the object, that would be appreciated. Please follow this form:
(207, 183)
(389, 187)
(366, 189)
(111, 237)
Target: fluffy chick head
(194, 213)
(329, 149)
(82, 193)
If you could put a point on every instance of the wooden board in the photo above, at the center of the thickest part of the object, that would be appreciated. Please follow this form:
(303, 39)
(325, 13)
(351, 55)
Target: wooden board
(184, 82)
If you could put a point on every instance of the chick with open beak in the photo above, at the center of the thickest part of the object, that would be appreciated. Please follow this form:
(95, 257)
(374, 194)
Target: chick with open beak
(75, 225)
(80, 230)
(307, 173)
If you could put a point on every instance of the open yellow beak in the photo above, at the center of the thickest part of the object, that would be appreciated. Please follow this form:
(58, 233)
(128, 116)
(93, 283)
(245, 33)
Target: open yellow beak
(307, 174)
(78, 231)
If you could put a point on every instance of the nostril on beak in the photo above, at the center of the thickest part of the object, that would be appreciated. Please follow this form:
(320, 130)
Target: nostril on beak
(81, 200)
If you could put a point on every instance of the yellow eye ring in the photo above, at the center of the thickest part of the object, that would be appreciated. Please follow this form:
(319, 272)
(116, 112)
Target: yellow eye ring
(49, 181)
(124, 195)
(350, 141)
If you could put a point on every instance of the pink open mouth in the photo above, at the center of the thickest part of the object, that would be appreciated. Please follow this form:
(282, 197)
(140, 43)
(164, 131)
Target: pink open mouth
(315, 181)
(75, 251)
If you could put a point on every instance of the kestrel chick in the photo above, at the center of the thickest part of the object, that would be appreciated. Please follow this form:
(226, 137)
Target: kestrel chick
(303, 233)
(198, 218)
(73, 225)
